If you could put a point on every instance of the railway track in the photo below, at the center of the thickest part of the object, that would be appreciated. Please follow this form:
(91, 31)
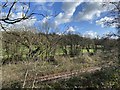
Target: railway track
(63, 75)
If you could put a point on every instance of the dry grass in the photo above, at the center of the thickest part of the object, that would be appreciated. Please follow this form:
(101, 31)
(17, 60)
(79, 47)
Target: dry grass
(16, 72)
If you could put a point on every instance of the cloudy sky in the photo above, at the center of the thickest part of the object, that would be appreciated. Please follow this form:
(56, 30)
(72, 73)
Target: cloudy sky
(81, 17)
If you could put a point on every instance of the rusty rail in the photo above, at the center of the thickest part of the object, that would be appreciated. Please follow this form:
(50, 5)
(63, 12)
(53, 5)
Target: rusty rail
(63, 75)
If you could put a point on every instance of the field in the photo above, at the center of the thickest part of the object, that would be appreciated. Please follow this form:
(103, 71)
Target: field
(62, 64)
(59, 51)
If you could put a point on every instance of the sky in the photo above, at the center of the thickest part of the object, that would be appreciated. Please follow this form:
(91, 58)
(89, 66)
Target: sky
(86, 18)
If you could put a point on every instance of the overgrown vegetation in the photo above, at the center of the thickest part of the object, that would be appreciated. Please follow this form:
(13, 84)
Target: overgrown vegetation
(106, 78)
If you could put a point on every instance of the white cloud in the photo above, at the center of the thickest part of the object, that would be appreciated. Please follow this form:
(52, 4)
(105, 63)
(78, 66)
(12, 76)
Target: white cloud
(28, 22)
(50, 4)
(90, 34)
(103, 21)
(48, 24)
(89, 12)
(114, 37)
(68, 11)
(92, 9)
(3, 15)
(71, 29)
(13, 15)
(18, 8)
(44, 6)
(106, 34)
(59, 33)
(45, 19)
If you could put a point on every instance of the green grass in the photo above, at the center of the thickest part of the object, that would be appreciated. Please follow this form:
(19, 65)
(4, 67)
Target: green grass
(85, 50)
(91, 50)
(58, 52)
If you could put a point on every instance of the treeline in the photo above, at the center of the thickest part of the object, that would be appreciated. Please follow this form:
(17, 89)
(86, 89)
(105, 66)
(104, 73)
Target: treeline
(30, 45)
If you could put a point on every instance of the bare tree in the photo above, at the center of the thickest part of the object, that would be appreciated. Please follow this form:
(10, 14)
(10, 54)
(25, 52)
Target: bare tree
(27, 13)
(115, 13)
